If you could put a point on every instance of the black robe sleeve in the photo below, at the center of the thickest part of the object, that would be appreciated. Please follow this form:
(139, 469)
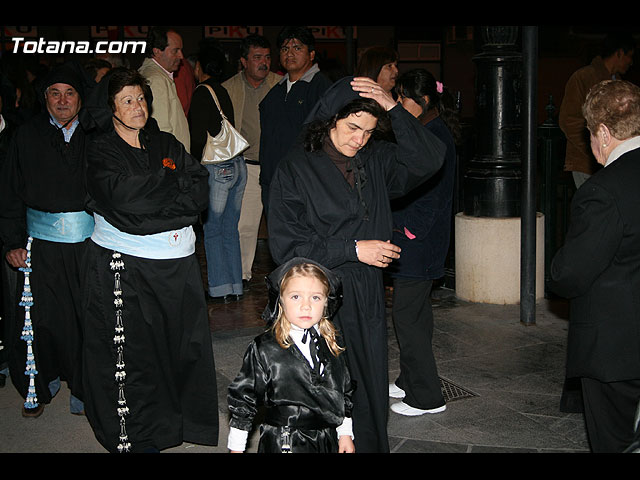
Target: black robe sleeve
(246, 392)
(416, 156)
(294, 229)
(596, 226)
(13, 230)
(136, 192)
(313, 212)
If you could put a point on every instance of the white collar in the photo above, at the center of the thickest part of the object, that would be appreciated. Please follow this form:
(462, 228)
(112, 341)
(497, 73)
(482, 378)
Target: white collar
(163, 69)
(306, 77)
(297, 333)
(626, 146)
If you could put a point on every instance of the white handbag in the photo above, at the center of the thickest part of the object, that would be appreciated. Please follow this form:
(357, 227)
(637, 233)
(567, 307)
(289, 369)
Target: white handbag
(227, 144)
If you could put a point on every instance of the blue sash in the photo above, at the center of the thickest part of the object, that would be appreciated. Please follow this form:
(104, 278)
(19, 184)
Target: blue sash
(63, 227)
(157, 246)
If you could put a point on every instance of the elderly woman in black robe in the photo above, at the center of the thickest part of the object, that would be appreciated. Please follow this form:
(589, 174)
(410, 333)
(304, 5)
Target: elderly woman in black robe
(330, 203)
(150, 376)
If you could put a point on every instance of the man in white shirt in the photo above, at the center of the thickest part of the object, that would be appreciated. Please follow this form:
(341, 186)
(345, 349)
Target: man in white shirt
(164, 50)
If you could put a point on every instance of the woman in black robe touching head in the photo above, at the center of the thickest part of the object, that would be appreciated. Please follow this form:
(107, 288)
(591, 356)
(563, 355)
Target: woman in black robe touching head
(330, 203)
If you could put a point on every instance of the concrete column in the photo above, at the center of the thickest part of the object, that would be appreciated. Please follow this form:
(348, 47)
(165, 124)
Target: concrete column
(488, 259)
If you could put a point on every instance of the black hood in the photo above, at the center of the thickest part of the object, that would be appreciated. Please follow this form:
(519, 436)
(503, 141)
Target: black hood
(274, 279)
(71, 73)
(97, 113)
(335, 97)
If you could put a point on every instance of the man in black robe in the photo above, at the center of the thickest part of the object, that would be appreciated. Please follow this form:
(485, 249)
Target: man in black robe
(43, 226)
(331, 205)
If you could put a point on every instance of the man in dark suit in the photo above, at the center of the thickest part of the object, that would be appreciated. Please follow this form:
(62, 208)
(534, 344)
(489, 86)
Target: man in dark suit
(598, 269)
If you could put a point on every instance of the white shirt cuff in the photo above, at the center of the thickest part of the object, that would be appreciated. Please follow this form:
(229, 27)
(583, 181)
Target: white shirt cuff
(237, 441)
(346, 428)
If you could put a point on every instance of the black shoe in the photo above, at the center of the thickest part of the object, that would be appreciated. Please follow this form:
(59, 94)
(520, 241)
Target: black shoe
(223, 299)
(246, 285)
(32, 412)
(3, 380)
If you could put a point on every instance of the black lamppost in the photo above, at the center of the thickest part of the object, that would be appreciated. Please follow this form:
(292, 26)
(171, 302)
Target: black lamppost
(492, 182)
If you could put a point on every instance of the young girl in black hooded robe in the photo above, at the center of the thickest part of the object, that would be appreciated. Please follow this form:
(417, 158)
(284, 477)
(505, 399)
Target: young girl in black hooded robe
(306, 395)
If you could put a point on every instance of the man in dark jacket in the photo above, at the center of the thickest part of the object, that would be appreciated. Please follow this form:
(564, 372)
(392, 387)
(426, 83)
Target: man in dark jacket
(286, 106)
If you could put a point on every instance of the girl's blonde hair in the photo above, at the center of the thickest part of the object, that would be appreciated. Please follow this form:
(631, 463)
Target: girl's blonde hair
(281, 326)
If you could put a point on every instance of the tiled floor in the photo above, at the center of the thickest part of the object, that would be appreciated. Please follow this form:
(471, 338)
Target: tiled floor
(515, 373)
(246, 312)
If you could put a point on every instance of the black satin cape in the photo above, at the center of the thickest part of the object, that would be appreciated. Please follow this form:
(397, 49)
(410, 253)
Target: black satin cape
(282, 381)
(311, 405)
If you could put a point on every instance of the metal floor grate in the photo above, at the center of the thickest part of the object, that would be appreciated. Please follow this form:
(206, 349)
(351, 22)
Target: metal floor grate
(452, 392)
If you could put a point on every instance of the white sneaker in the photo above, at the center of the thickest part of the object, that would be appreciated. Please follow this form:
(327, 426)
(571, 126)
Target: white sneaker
(395, 391)
(404, 409)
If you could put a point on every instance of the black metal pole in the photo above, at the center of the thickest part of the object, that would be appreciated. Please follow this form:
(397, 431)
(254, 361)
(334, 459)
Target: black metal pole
(528, 214)
(348, 30)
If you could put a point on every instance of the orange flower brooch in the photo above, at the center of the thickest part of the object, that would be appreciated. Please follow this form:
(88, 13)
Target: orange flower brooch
(168, 163)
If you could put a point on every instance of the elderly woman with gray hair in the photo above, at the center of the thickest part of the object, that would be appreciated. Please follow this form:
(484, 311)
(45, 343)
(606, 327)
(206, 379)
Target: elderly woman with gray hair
(598, 269)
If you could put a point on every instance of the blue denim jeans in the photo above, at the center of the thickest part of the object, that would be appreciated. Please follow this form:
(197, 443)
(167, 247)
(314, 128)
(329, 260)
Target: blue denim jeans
(75, 404)
(220, 225)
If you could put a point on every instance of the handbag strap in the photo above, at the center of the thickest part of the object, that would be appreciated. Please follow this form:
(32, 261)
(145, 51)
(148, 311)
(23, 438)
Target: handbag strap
(215, 98)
